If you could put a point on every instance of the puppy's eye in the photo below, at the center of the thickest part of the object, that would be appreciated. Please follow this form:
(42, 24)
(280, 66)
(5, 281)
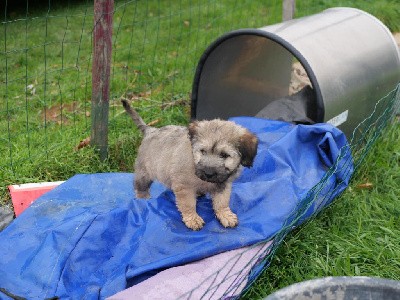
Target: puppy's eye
(224, 155)
(202, 151)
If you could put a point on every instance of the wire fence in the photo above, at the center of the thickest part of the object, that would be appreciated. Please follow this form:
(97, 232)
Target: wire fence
(46, 67)
(47, 62)
(46, 109)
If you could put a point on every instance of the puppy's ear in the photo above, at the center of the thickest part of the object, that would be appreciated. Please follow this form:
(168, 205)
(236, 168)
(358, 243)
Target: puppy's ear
(193, 129)
(248, 149)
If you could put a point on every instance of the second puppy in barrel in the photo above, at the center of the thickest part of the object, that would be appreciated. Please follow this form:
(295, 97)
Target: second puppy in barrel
(203, 158)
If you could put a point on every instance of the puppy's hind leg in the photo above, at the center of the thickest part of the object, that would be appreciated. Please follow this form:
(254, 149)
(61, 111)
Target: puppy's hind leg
(142, 185)
(221, 207)
(186, 203)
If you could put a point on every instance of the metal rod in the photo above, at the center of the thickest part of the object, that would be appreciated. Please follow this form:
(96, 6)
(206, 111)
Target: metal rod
(102, 45)
(288, 9)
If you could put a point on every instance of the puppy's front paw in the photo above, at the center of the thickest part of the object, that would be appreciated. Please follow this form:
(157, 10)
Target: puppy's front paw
(193, 221)
(227, 217)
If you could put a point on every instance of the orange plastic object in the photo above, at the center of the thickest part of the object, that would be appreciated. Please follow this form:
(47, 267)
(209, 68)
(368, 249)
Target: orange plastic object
(23, 195)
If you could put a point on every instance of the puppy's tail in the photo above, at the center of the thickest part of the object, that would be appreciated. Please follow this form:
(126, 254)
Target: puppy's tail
(135, 116)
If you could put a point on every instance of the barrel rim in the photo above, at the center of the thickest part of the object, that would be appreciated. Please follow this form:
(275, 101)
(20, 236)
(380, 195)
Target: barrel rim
(264, 34)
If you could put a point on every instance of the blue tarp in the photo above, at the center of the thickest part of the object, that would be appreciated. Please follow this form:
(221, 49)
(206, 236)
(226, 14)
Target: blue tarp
(90, 238)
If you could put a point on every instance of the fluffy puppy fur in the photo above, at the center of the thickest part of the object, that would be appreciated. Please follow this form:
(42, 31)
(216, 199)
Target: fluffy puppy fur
(203, 158)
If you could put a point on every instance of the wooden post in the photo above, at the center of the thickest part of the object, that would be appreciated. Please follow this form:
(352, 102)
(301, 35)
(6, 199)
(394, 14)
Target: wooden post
(288, 9)
(102, 44)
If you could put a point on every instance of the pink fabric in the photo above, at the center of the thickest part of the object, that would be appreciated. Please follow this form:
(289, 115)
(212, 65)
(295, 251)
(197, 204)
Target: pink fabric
(219, 276)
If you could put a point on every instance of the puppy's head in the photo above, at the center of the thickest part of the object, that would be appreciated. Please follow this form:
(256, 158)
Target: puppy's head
(220, 148)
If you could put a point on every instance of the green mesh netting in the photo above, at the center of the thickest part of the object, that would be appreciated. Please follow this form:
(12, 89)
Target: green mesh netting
(364, 136)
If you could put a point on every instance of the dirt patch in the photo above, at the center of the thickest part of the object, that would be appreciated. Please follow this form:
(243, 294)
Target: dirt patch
(60, 113)
(299, 78)
(397, 38)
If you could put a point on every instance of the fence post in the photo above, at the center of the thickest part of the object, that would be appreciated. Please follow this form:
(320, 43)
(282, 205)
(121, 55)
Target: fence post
(102, 44)
(288, 9)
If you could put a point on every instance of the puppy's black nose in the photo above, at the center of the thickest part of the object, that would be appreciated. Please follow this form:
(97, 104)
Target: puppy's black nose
(210, 173)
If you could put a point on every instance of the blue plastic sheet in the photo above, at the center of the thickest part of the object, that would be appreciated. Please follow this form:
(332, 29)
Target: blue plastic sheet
(90, 238)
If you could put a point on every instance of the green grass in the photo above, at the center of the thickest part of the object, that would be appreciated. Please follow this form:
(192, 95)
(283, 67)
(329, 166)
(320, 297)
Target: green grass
(387, 11)
(46, 81)
(45, 90)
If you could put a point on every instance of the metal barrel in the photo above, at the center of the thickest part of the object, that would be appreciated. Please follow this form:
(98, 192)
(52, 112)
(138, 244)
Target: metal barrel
(340, 288)
(350, 57)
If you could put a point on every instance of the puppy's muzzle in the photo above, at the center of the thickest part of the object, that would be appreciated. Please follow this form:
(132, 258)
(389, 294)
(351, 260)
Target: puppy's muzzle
(211, 175)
